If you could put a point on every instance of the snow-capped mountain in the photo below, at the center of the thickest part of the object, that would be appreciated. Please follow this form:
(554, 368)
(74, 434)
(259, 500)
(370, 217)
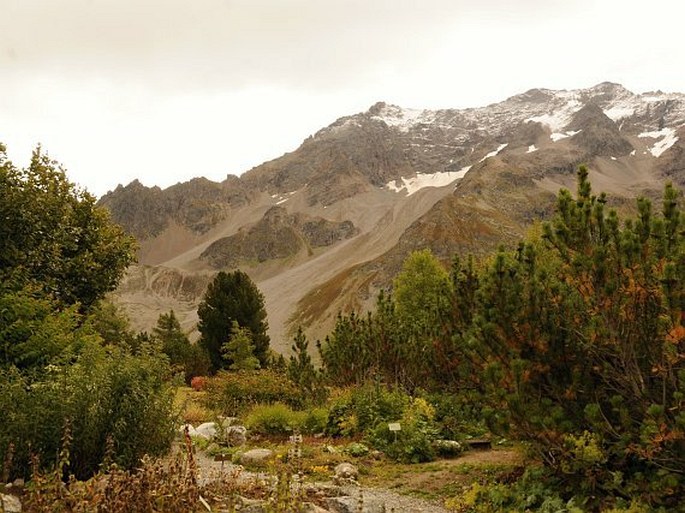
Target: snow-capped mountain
(323, 228)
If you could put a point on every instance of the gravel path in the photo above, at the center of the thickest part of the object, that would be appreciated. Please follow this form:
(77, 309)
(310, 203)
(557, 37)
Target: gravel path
(373, 498)
(393, 501)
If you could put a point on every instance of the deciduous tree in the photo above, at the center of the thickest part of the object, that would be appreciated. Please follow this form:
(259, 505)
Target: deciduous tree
(54, 236)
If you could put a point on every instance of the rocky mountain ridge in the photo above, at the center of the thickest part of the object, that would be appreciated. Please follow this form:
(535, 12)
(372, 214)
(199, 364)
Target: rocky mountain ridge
(324, 227)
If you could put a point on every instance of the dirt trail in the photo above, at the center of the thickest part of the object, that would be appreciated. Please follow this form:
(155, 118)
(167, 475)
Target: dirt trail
(440, 473)
(210, 470)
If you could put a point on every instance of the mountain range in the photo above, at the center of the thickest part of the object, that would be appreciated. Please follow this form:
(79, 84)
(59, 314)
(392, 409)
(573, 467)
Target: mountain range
(322, 229)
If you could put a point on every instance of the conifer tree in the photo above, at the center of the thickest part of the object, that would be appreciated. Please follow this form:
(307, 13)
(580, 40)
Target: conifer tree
(232, 297)
(301, 370)
(238, 350)
(583, 342)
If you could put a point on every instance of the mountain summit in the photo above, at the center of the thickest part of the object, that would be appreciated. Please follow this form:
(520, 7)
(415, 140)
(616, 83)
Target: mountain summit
(323, 228)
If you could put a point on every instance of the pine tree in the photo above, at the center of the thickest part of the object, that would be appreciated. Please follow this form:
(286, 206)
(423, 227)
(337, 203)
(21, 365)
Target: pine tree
(583, 345)
(175, 343)
(301, 370)
(232, 297)
(239, 350)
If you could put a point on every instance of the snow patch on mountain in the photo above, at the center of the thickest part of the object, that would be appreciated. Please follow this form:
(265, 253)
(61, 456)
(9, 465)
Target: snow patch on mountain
(495, 152)
(557, 136)
(668, 139)
(404, 119)
(561, 116)
(423, 180)
(619, 111)
(532, 148)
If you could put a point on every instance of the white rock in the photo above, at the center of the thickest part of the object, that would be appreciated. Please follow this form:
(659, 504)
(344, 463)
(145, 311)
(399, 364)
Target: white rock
(207, 430)
(10, 503)
(256, 456)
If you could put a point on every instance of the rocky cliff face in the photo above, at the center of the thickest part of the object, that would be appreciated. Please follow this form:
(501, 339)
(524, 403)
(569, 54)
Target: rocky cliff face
(278, 235)
(324, 227)
(197, 205)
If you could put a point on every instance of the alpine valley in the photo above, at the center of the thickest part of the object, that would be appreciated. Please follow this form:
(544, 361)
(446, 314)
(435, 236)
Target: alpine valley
(324, 228)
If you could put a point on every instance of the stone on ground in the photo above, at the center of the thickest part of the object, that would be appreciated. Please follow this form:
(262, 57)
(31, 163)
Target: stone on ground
(10, 503)
(350, 504)
(256, 456)
(345, 472)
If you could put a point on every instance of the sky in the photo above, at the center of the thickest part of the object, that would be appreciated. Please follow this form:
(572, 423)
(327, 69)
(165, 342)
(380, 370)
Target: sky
(166, 90)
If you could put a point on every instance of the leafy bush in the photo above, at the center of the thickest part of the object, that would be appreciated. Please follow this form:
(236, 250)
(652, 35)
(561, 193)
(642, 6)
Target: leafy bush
(272, 419)
(314, 421)
(106, 397)
(280, 419)
(369, 409)
(359, 410)
(357, 450)
(414, 442)
(535, 491)
(232, 393)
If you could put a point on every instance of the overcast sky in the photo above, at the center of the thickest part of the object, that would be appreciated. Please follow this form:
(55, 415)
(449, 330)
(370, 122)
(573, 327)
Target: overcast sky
(166, 90)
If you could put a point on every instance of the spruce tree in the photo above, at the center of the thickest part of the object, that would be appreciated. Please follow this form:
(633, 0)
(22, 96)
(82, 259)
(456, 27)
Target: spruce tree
(232, 297)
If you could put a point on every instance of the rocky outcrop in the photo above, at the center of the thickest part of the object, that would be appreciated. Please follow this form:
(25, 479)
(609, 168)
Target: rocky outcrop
(597, 134)
(277, 235)
(197, 205)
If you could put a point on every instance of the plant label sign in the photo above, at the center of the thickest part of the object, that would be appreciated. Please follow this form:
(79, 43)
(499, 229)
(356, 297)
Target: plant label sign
(394, 426)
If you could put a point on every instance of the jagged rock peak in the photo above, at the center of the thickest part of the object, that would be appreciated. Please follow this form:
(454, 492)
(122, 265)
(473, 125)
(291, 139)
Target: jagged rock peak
(136, 185)
(377, 108)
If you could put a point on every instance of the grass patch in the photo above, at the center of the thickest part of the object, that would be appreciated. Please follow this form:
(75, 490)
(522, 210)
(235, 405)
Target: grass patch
(443, 479)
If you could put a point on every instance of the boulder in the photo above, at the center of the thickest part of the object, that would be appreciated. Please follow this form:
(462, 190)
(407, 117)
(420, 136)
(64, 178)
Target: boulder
(207, 430)
(256, 456)
(345, 472)
(236, 435)
(448, 447)
(10, 503)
